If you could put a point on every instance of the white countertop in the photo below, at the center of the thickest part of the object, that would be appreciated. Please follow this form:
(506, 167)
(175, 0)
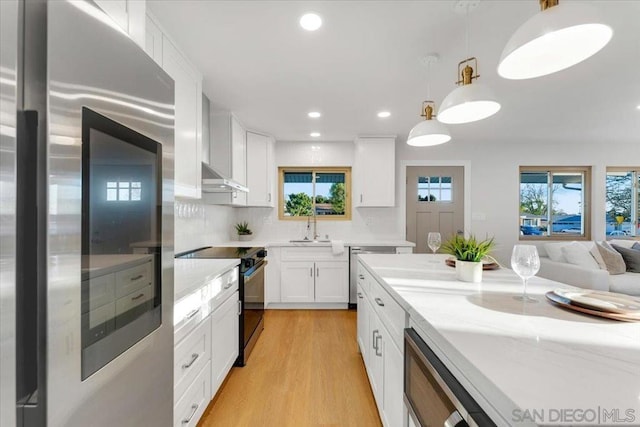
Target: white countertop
(348, 242)
(190, 274)
(512, 356)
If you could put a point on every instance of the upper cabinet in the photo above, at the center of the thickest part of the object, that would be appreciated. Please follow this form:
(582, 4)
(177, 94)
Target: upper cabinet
(129, 15)
(228, 155)
(260, 170)
(374, 172)
(188, 109)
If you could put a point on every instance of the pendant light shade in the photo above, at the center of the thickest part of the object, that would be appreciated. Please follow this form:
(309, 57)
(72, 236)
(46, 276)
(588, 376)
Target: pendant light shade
(428, 132)
(558, 37)
(469, 102)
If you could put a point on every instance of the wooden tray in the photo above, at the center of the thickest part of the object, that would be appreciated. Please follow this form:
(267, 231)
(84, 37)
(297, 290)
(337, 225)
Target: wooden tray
(486, 264)
(567, 303)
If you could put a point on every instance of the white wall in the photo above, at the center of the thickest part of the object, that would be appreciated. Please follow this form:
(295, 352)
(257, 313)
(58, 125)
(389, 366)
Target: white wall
(494, 178)
(380, 223)
(198, 224)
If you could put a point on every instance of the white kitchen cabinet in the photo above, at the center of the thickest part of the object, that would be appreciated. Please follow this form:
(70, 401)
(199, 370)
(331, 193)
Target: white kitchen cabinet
(383, 356)
(188, 120)
(153, 40)
(224, 340)
(374, 172)
(260, 170)
(297, 281)
(128, 15)
(332, 281)
(228, 155)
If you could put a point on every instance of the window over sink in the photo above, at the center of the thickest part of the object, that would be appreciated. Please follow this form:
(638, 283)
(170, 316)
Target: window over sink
(322, 191)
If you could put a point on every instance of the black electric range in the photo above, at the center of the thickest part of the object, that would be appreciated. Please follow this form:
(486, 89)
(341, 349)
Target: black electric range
(251, 290)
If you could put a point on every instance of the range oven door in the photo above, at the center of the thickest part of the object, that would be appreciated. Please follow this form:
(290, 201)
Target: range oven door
(432, 394)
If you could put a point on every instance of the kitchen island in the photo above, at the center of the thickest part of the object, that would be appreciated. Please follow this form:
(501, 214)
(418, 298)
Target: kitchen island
(524, 364)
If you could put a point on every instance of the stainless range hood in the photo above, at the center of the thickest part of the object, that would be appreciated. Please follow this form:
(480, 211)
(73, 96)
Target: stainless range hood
(214, 182)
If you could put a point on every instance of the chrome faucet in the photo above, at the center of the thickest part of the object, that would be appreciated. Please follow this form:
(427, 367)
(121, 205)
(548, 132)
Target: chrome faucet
(315, 226)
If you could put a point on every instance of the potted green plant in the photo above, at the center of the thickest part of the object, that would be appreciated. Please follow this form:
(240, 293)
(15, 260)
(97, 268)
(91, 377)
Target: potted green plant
(244, 233)
(469, 253)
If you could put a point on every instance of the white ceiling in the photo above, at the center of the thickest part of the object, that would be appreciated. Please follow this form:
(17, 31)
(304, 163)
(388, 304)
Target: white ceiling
(259, 63)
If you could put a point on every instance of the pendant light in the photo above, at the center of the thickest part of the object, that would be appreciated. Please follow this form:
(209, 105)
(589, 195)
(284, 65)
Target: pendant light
(428, 132)
(469, 102)
(558, 37)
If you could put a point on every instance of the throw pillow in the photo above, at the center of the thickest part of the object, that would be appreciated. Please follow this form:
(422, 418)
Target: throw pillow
(595, 253)
(636, 246)
(622, 243)
(613, 260)
(631, 258)
(554, 251)
(578, 254)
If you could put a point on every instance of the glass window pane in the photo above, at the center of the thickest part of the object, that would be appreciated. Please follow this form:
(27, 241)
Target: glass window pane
(112, 194)
(123, 194)
(446, 194)
(446, 180)
(534, 196)
(298, 193)
(112, 184)
(330, 193)
(136, 184)
(123, 184)
(135, 194)
(566, 203)
(424, 194)
(619, 188)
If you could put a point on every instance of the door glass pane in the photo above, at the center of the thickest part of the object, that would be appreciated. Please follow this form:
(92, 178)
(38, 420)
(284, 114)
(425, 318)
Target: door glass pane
(298, 193)
(567, 200)
(423, 189)
(435, 189)
(619, 186)
(534, 196)
(330, 193)
(446, 189)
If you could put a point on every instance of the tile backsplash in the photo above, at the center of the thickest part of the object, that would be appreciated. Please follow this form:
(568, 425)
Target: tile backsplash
(198, 224)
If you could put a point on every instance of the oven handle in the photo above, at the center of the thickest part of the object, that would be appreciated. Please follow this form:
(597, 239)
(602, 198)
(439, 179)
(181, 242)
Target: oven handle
(254, 273)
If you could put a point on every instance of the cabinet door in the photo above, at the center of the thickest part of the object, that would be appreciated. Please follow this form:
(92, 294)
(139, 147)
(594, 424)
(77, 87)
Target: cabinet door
(332, 281)
(296, 281)
(153, 41)
(393, 382)
(188, 117)
(238, 160)
(258, 170)
(374, 172)
(224, 340)
(363, 325)
(375, 366)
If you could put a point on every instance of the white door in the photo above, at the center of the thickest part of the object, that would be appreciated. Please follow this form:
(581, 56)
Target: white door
(363, 325)
(257, 170)
(375, 366)
(435, 202)
(393, 383)
(224, 340)
(297, 281)
(238, 160)
(332, 281)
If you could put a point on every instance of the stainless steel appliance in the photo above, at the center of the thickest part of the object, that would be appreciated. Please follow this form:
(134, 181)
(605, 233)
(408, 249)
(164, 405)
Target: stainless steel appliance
(251, 291)
(59, 58)
(353, 267)
(432, 394)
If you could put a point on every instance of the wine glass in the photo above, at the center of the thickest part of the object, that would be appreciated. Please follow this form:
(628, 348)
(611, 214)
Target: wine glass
(526, 263)
(434, 241)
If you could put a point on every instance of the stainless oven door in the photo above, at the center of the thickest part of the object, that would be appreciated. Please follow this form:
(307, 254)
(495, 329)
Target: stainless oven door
(253, 301)
(432, 394)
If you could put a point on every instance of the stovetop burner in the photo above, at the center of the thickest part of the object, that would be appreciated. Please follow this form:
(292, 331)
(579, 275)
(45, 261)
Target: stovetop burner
(249, 257)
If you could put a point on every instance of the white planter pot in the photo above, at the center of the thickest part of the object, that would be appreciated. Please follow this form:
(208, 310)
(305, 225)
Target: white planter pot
(468, 271)
(245, 237)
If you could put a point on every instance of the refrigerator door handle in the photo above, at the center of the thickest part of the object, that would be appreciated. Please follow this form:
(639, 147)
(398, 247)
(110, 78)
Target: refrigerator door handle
(31, 278)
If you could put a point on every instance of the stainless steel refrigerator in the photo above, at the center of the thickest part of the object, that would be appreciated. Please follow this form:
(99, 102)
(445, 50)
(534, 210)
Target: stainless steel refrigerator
(86, 166)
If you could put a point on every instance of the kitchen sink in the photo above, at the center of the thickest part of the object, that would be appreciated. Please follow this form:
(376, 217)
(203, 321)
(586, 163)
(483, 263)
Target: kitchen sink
(309, 241)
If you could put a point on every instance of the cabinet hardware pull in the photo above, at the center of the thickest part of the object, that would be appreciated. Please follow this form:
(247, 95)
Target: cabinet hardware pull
(140, 276)
(194, 357)
(137, 297)
(194, 409)
(311, 272)
(193, 313)
(361, 276)
(228, 285)
(239, 307)
(360, 295)
(373, 338)
(379, 302)
(378, 346)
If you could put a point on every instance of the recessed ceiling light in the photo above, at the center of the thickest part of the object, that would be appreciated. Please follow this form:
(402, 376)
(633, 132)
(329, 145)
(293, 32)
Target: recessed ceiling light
(384, 114)
(310, 21)
(314, 114)
(314, 134)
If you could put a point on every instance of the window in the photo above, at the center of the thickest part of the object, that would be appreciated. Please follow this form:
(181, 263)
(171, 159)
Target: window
(554, 202)
(124, 191)
(434, 189)
(325, 191)
(622, 202)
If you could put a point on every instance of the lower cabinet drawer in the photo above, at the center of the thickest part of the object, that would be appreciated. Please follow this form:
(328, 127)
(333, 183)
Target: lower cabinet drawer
(134, 299)
(189, 356)
(191, 406)
(391, 313)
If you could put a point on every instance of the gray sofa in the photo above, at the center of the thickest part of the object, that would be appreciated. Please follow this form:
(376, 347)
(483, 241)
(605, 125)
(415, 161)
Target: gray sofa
(589, 278)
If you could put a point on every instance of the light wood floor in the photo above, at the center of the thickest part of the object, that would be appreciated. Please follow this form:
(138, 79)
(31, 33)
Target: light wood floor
(304, 371)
